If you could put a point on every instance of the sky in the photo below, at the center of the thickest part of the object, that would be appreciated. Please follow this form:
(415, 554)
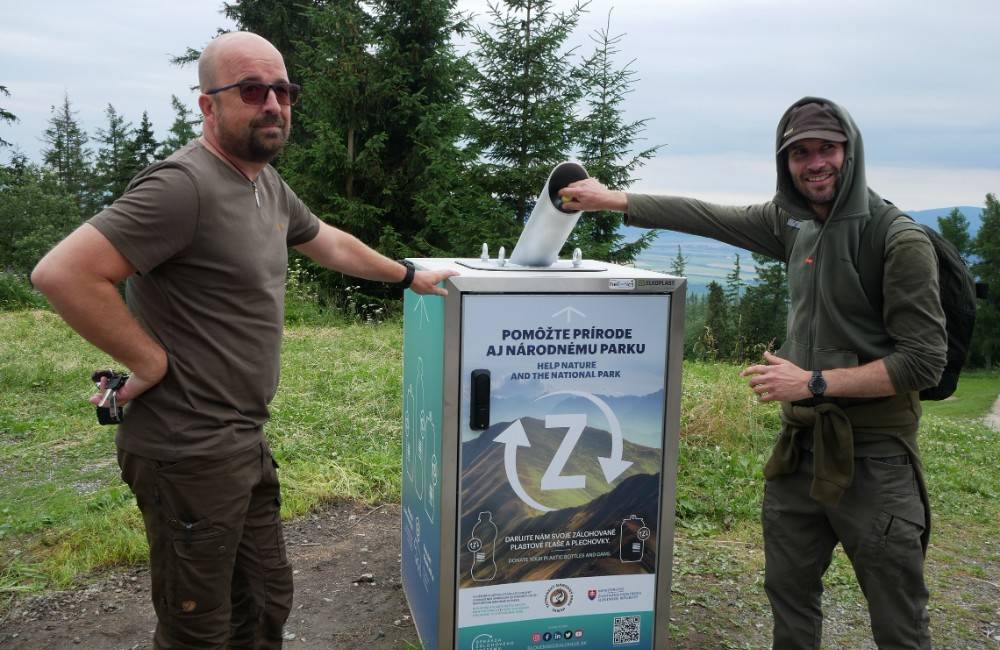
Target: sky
(713, 77)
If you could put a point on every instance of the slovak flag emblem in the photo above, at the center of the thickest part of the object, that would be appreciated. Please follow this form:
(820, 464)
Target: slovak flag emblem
(592, 594)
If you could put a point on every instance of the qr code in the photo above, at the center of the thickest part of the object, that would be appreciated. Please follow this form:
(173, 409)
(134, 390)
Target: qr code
(626, 630)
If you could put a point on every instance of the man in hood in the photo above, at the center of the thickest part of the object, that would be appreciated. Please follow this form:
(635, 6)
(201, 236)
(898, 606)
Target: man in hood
(845, 467)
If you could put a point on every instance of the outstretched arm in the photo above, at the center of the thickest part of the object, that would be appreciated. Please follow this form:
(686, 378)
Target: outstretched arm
(340, 251)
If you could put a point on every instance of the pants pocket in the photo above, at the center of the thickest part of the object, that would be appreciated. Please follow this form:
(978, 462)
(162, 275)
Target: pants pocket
(202, 558)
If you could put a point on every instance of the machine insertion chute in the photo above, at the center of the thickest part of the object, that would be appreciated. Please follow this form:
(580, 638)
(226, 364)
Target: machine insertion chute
(550, 224)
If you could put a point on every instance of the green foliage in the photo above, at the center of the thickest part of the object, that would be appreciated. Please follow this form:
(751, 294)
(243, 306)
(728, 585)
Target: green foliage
(144, 145)
(714, 340)
(336, 430)
(116, 161)
(955, 228)
(303, 305)
(740, 321)
(67, 155)
(606, 142)
(986, 340)
(524, 94)
(182, 130)
(733, 338)
(5, 115)
(63, 509)
(16, 293)
(973, 401)
(679, 264)
(764, 307)
(36, 211)
(379, 147)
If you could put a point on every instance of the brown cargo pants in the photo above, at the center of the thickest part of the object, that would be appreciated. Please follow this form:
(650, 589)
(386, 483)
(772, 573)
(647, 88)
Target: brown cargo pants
(220, 576)
(879, 521)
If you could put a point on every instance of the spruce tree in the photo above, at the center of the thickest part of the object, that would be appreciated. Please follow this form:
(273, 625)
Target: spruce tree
(986, 247)
(337, 112)
(734, 338)
(67, 155)
(436, 205)
(5, 115)
(955, 228)
(734, 285)
(116, 162)
(679, 264)
(182, 130)
(764, 306)
(144, 144)
(524, 94)
(715, 340)
(606, 141)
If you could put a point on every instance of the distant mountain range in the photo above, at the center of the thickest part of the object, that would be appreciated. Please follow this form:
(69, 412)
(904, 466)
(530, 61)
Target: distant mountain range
(708, 260)
(643, 424)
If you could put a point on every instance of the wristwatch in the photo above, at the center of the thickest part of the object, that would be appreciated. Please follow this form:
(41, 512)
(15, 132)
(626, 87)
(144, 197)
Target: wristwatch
(408, 278)
(817, 385)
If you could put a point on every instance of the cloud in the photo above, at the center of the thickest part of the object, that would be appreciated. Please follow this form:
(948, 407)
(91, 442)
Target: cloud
(714, 76)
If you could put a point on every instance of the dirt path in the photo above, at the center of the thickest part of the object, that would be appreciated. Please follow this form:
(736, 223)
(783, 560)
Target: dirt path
(347, 594)
(993, 417)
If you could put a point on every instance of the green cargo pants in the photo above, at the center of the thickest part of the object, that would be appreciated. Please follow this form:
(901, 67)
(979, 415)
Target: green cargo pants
(220, 576)
(879, 521)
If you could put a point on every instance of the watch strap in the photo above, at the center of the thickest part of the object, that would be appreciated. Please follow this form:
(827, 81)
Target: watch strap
(410, 272)
(817, 384)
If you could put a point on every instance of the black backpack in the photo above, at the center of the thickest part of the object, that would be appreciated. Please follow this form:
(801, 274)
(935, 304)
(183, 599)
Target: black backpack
(958, 291)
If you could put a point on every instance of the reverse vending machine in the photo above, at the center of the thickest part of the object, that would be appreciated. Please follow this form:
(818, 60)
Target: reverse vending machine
(541, 405)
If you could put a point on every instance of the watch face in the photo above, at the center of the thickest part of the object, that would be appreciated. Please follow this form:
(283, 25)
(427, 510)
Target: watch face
(817, 385)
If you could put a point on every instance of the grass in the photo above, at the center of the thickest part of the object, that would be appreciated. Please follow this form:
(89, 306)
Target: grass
(335, 429)
(63, 509)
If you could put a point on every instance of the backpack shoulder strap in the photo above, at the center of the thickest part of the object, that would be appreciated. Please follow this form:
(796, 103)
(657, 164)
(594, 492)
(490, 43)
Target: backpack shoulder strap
(871, 251)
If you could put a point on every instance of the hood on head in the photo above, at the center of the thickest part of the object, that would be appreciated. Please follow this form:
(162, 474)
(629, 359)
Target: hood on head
(852, 193)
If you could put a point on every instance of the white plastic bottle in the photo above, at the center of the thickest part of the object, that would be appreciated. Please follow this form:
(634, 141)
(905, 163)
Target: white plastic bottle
(482, 545)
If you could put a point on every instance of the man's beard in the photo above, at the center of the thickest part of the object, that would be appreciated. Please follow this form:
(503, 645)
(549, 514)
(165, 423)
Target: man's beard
(826, 197)
(254, 144)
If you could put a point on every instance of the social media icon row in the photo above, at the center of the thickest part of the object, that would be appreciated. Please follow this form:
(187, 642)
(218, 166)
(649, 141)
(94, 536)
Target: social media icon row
(539, 637)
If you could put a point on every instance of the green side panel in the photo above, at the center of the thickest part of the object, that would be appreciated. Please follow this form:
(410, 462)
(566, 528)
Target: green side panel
(423, 367)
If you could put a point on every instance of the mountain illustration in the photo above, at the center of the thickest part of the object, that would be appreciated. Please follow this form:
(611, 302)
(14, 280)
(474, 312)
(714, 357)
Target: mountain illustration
(645, 412)
(486, 488)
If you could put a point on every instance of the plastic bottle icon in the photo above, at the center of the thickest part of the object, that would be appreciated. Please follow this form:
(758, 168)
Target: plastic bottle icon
(634, 534)
(482, 544)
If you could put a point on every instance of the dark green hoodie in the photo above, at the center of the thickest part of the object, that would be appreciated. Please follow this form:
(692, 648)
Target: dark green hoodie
(831, 323)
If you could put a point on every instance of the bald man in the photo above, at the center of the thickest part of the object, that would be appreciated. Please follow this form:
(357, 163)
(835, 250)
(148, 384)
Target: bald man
(203, 240)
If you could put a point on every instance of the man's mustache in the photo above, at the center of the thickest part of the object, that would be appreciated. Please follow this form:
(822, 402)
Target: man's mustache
(268, 120)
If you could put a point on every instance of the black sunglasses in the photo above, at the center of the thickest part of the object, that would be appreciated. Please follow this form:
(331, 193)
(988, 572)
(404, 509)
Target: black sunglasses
(255, 92)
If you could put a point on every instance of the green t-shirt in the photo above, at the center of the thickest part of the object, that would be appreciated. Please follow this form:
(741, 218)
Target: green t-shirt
(211, 250)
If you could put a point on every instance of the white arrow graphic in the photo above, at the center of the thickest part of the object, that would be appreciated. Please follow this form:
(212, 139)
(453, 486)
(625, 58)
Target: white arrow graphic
(570, 312)
(613, 466)
(512, 438)
(422, 308)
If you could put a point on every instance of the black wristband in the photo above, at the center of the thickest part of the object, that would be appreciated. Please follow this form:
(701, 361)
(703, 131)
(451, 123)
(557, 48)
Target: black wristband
(408, 278)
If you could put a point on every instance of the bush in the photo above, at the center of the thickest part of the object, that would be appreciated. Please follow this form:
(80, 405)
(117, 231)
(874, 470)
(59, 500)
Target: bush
(16, 293)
